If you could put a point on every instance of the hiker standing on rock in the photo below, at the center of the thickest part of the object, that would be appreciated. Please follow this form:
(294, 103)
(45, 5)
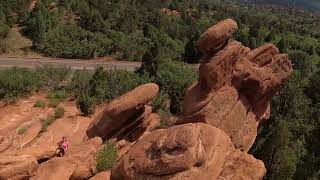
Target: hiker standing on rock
(63, 147)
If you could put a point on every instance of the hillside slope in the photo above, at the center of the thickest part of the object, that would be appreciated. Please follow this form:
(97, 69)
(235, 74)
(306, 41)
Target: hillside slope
(309, 4)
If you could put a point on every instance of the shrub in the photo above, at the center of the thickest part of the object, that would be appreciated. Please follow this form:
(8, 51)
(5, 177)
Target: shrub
(59, 112)
(53, 102)
(174, 78)
(86, 104)
(22, 130)
(47, 122)
(52, 76)
(158, 102)
(164, 118)
(40, 104)
(16, 82)
(70, 41)
(80, 82)
(106, 157)
(58, 94)
(107, 85)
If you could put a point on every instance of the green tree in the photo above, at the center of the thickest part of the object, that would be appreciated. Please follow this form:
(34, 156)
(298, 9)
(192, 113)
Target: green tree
(270, 36)
(150, 61)
(282, 45)
(191, 52)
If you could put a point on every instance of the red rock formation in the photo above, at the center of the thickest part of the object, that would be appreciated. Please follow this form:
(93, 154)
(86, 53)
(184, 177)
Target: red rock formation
(190, 151)
(78, 163)
(17, 167)
(125, 116)
(235, 84)
(231, 97)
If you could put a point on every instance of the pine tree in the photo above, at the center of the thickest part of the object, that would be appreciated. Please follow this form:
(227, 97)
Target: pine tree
(191, 52)
(150, 62)
(270, 36)
(282, 45)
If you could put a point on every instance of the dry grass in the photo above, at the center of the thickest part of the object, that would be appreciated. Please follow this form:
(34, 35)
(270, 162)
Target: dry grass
(17, 45)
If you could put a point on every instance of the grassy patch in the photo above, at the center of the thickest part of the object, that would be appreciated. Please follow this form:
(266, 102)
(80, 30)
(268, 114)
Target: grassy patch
(59, 112)
(47, 122)
(59, 95)
(106, 157)
(56, 97)
(164, 118)
(40, 104)
(53, 102)
(22, 130)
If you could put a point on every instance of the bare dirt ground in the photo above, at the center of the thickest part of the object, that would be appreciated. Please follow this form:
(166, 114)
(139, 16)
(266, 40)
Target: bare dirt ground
(21, 125)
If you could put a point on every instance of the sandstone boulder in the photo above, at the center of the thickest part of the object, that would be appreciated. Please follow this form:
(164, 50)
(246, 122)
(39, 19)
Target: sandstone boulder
(239, 165)
(190, 151)
(124, 112)
(17, 167)
(217, 35)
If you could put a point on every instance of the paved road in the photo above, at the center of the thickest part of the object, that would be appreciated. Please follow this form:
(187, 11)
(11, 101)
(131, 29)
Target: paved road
(71, 63)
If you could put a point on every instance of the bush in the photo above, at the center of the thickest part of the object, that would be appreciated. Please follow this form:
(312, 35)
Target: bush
(22, 130)
(47, 122)
(16, 82)
(40, 104)
(165, 119)
(158, 102)
(59, 112)
(106, 157)
(52, 76)
(86, 104)
(58, 94)
(70, 41)
(107, 85)
(53, 102)
(80, 82)
(174, 78)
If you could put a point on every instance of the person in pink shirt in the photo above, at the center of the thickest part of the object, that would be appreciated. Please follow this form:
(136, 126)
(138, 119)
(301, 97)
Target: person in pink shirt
(63, 146)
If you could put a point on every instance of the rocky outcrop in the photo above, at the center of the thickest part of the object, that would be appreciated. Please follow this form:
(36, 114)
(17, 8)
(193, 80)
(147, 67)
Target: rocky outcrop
(190, 151)
(126, 116)
(221, 115)
(235, 84)
(78, 163)
(17, 167)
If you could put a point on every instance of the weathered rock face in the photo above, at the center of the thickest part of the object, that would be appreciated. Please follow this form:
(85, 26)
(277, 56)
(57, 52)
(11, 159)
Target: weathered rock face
(235, 85)
(125, 116)
(190, 151)
(78, 163)
(17, 167)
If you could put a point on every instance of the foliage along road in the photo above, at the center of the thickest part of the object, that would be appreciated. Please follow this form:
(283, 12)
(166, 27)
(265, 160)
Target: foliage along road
(6, 62)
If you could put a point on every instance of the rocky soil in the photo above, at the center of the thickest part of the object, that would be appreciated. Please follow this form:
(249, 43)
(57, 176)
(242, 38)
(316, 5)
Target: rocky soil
(222, 112)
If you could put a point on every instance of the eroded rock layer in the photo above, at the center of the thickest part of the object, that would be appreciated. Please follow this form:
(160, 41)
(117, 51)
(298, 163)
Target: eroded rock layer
(235, 85)
(126, 116)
